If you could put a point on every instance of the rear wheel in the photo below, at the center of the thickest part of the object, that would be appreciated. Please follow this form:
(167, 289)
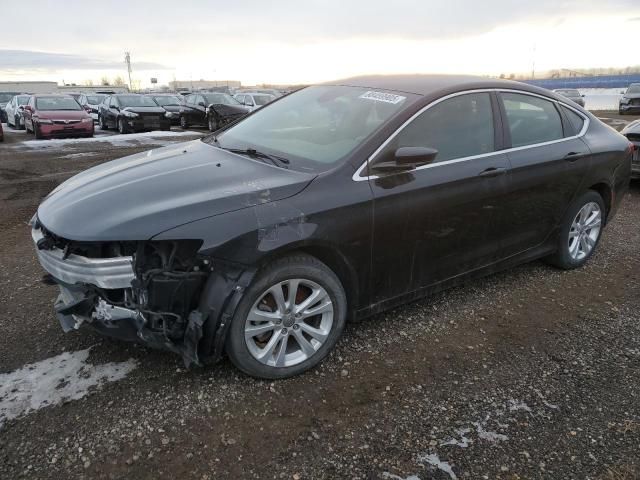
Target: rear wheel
(102, 123)
(581, 231)
(289, 319)
(184, 124)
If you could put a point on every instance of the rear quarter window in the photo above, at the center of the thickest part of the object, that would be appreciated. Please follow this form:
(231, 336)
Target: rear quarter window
(531, 120)
(576, 121)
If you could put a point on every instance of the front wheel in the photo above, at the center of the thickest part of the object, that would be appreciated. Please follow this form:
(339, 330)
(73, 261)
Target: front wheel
(36, 130)
(184, 124)
(581, 231)
(213, 124)
(289, 319)
(102, 123)
(122, 128)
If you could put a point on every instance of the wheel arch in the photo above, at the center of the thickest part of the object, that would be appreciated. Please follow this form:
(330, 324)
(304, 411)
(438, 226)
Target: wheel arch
(333, 258)
(606, 192)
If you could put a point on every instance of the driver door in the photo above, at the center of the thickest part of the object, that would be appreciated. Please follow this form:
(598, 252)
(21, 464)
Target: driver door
(445, 218)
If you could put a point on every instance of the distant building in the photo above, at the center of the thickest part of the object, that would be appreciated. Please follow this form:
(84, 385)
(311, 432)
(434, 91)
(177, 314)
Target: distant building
(195, 85)
(29, 87)
(92, 89)
(53, 87)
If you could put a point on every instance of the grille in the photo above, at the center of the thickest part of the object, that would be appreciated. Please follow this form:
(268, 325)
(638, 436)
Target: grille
(65, 122)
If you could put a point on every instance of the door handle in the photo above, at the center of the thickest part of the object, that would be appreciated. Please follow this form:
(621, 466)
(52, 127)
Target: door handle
(492, 172)
(573, 156)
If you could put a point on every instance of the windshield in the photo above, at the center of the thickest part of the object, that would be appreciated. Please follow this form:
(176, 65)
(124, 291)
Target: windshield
(6, 97)
(569, 93)
(95, 99)
(315, 127)
(220, 98)
(57, 103)
(23, 99)
(263, 99)
(136, 101)
(167, 100)
(633, 89)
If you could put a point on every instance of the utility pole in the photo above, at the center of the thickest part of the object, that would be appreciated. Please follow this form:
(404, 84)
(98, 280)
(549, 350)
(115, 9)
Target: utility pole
(533, 63)
(127, 60)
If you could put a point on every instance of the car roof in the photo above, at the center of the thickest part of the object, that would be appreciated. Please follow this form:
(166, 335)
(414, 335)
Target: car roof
(436, 84)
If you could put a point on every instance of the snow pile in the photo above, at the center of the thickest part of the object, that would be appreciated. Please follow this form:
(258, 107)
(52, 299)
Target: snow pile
(433, 460)
(54, 381)
(145, 138)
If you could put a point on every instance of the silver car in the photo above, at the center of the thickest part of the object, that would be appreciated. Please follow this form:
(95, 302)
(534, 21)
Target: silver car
(572, 94)
(14, 109)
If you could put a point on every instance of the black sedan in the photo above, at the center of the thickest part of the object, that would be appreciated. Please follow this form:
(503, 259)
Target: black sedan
(630, 101)
(172, 102)
(338, 201)
(213, 110)
(132, 113)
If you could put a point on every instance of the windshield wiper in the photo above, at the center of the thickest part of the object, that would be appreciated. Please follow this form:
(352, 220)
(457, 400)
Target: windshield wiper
(252, 152)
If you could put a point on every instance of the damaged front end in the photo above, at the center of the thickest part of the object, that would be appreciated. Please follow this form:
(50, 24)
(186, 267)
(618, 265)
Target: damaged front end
(144, 291)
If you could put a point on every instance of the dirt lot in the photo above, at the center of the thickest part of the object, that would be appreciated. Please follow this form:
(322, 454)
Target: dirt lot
(532, 373)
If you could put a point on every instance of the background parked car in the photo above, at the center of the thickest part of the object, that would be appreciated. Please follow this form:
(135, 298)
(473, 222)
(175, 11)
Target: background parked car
(5, 97)
(56, 116)
(630, 101)
(211, 109)
(632, 132)
(14, 110)
(1, 133)
(132, 113)
(572, 94)
(172, 103)
(90, 102)
(253, 100)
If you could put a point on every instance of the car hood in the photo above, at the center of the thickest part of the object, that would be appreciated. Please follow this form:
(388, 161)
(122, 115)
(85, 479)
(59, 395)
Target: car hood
(633, 127)
(631, 95)
(140, 196)
(63, 114)
(144, 109)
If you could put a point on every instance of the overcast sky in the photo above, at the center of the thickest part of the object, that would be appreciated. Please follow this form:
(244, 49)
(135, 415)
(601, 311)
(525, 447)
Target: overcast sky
(286, 41)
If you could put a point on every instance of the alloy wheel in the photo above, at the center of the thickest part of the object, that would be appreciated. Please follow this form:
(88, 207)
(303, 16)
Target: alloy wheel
(585, 230)
(289, 322)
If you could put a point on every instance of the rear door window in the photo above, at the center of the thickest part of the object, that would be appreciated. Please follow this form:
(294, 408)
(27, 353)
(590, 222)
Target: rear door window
(459, 127)
(531, 120)
(576, 121)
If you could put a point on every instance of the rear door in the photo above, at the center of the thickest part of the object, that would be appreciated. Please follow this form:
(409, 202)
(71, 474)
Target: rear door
(548, 163)
(443, 219)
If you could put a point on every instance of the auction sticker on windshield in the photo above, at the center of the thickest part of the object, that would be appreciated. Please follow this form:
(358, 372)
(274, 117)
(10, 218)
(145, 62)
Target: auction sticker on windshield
(383, 97)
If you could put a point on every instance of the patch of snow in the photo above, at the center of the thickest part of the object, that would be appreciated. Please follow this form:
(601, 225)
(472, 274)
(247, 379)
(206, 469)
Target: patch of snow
(462, 443)
(54, 381)
(396, 477)
(433, 460)
(489, 436)
(515, 406)
(544, 401)
(80, 155)
(147, 138)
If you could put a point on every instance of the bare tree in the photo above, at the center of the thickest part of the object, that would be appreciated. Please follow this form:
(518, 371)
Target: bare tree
(104, 81)
(88, 82)
(118, 81)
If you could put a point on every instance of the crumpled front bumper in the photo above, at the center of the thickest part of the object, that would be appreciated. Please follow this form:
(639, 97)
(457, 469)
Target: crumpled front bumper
(80, 303)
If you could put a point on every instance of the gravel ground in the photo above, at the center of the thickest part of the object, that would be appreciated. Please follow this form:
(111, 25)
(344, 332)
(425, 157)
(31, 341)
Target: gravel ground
(531, 373)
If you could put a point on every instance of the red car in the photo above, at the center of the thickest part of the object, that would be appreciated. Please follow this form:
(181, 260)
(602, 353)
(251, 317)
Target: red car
(56, 116)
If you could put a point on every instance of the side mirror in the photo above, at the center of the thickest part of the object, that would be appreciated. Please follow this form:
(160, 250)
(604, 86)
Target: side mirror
(201, 104)
(21, 107)
(407, 158)
(115, 107)
(28, 108)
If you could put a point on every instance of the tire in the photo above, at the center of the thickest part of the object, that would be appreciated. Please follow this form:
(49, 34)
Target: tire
(184, 124)
(37, 131)
(122, 128)
(582, 229)
(16, 123)
(102, 123)
(213, 124)
(314, 276)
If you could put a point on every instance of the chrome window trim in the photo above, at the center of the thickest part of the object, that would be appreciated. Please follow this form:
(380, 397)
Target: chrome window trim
(357, 176)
